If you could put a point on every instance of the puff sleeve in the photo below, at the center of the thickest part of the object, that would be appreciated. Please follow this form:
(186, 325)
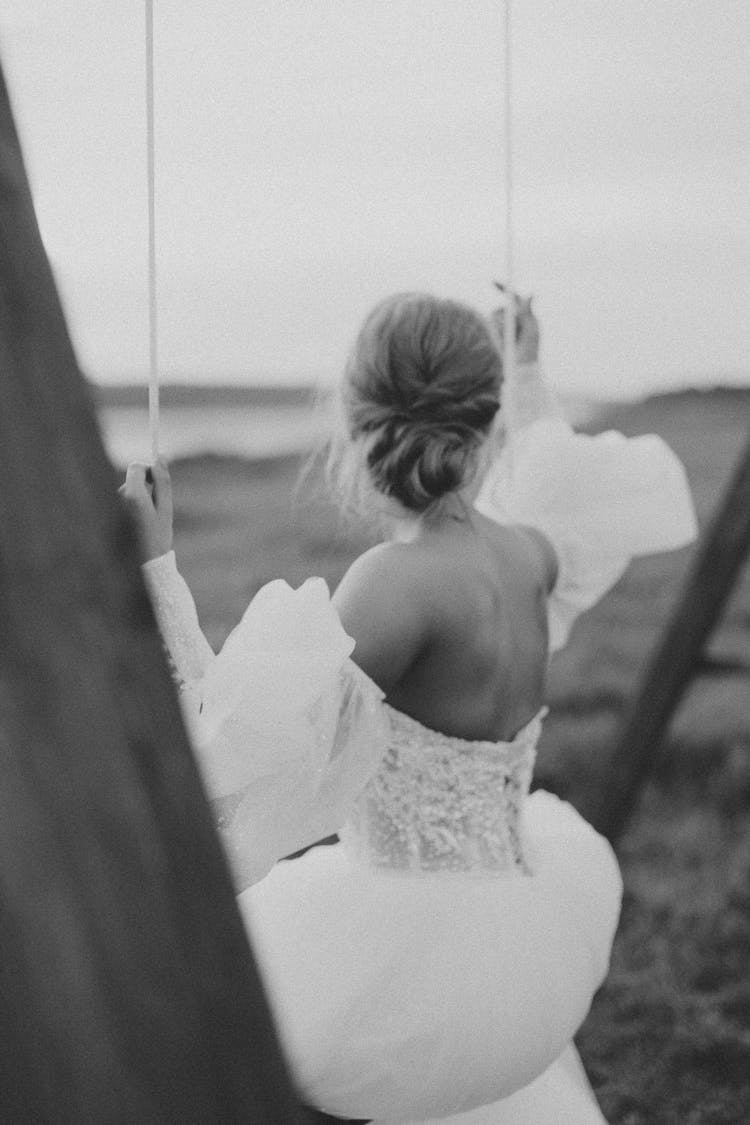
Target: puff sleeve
(285, 728)
(600, 501)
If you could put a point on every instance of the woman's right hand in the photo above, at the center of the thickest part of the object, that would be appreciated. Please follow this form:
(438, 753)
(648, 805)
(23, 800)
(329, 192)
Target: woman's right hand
(527, 328)
(147, 491)
(527, 332)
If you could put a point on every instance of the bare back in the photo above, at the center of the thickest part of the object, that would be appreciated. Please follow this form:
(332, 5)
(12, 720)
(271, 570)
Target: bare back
(452, 624)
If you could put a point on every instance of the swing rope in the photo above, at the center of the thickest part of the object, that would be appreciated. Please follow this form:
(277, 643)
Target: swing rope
(153, 378)
(509, 355)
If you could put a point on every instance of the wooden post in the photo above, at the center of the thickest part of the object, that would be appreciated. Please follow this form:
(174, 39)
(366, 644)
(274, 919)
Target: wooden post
(722, 551)
(128, 990)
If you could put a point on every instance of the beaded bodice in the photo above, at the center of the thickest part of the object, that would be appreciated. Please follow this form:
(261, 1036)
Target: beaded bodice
(439, 803)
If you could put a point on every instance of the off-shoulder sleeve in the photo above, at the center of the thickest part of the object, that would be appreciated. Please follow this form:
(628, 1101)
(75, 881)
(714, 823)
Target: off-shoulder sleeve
(323, 758)
(601, 501)
(285, 728)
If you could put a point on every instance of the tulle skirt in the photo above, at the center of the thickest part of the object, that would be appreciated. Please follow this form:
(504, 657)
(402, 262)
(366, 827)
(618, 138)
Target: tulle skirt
(405, 997)
(559, 1096)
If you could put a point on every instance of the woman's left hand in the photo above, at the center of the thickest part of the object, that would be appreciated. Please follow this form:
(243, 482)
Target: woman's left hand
(148, 493)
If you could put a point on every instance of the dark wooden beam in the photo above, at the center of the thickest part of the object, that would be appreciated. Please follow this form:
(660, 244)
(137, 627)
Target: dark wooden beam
(722, 552)
(129, 993)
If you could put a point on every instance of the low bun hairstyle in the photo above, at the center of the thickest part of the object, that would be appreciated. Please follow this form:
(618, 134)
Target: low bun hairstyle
(421, 390)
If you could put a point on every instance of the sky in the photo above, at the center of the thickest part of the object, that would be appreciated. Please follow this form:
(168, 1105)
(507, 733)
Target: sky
(315, 155)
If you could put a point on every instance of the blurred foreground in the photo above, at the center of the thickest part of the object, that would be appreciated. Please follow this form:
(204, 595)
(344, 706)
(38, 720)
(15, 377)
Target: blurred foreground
(668, 1039)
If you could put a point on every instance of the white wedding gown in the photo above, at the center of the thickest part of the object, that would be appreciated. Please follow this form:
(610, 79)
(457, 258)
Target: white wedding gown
(435, 964)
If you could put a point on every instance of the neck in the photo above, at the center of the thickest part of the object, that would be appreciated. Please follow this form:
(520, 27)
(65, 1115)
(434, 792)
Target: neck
(454, 510)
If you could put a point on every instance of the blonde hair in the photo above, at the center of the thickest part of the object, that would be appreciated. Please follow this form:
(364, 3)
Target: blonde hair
(420, 391)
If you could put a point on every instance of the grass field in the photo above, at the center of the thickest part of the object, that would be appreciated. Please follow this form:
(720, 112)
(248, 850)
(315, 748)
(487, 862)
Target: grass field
(668, 1039)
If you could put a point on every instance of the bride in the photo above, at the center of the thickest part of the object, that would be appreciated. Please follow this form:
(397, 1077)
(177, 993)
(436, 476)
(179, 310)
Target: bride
(437, 961)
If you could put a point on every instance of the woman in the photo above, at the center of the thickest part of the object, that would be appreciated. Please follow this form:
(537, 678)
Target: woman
(438, 960)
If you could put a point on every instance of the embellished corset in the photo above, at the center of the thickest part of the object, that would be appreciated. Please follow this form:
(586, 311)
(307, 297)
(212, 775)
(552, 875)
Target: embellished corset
(439, 803)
